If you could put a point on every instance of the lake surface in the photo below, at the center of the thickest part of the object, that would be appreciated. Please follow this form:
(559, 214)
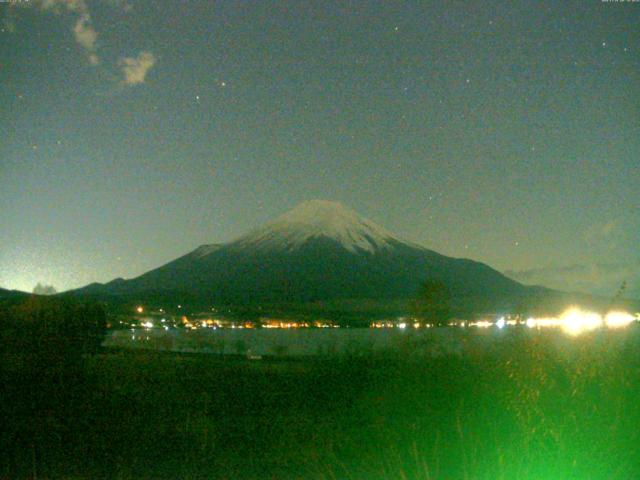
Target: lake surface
(338, 341)
(291, 342)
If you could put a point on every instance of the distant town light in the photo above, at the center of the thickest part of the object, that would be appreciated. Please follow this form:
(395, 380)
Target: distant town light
(479, 324)
(139, 309)
(618, 319)
(501, 322)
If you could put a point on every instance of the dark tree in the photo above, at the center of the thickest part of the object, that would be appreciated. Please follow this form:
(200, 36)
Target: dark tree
(52, 328)
(433, 302)
(43, 342)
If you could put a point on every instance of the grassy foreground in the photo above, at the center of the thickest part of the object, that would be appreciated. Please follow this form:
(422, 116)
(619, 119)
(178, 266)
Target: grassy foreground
(528, 406)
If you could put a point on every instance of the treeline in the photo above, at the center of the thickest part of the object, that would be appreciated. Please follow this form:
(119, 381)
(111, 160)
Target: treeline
(43, 344)
(51, 327)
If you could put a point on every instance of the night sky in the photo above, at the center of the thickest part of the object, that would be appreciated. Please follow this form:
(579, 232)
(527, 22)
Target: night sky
(134, 131)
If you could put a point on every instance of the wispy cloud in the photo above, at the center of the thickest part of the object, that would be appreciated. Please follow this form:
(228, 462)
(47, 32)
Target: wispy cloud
(86, 36)
(58, 5)
(596, 278)
(83, 30)
(602, 231)
(135, 69)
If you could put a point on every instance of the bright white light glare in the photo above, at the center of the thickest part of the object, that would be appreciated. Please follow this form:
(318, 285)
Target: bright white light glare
(618, 319)
(531, 322)
(548, 322)
(402, 325)
(500, 323)
(147, 325)
(576, 321)
(480, 324)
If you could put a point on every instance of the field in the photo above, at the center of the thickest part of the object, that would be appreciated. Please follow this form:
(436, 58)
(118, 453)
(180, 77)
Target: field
(532, 406)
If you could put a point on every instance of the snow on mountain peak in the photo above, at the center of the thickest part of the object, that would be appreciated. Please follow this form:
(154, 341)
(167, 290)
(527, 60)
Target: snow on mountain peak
(320, 218)
(207, 249)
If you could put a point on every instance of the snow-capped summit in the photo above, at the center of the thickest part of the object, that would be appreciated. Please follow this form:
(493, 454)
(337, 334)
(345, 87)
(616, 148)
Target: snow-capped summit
(204, 250)
(320, 219)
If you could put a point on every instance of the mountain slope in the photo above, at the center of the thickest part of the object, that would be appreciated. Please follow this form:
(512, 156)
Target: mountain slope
(318, 252)
(10, 294)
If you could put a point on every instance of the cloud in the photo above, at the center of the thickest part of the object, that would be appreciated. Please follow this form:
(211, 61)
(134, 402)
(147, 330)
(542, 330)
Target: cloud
(83, 31)
(79, 6)
(85, 34)
(57, 5)
(135, 69)
(603, 232)
(597, 278)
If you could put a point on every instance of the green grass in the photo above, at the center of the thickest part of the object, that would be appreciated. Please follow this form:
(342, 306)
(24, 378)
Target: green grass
(525, 407)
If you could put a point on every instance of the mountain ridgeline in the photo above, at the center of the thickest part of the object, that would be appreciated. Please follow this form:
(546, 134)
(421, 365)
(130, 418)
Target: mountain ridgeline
(325, 256)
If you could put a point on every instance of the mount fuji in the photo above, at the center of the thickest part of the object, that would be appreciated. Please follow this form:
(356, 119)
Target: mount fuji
(319, 253)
